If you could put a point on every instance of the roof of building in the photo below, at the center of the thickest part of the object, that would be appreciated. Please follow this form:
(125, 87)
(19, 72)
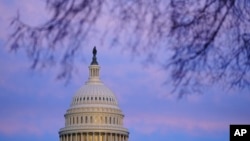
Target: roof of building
(94, 93)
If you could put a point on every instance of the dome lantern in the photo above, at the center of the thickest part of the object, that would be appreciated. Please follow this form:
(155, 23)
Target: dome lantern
(94, 69)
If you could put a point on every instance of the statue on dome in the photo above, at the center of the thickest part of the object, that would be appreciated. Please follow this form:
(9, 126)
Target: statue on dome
(94, 60)
(94, 51)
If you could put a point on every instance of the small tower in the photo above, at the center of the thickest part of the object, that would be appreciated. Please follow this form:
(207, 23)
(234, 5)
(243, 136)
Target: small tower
(94, 113)
(94, 69)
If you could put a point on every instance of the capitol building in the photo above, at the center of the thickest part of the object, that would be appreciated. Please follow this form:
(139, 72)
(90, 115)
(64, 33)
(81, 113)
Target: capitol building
(94, 113)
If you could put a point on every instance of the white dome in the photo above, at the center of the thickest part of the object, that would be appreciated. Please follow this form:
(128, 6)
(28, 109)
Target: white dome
(94, 95)
(94, 113)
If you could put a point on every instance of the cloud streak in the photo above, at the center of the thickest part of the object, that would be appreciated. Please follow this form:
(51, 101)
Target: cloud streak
(151, 123)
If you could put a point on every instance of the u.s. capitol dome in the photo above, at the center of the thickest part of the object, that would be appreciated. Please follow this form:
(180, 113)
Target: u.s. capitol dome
(94, 113)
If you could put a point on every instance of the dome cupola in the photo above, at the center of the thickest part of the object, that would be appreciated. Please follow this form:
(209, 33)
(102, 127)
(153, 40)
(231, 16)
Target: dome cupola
(94, 113)
(94, 93)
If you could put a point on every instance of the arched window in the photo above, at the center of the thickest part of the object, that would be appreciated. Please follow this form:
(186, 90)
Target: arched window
(81, 119)
(86, 119)
(101, 120)
(91, 119)
(106, 120)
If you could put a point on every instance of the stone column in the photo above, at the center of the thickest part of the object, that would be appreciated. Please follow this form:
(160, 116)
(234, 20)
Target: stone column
(98, 136)
(87, 136)
(93, 136)
(76, 137)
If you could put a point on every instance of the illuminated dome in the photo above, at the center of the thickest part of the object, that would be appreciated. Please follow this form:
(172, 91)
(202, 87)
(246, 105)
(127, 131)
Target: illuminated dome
(94, 114)
(94, 95)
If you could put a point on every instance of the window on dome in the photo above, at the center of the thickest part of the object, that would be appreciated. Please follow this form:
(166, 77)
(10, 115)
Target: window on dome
(107, 99)
(81, 119)
(83, 98)
(91, 119)
(86, 119)
(87, 98)
(106, 120)
(100, 98)
(91, 98)
(113, 120)
(95, 98)
(95, 119)
(73, 120)
(109, 120)
(80, 99)
(76, 120)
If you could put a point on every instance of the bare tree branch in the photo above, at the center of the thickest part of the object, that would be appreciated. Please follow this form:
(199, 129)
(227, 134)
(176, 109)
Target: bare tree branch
(209, 39)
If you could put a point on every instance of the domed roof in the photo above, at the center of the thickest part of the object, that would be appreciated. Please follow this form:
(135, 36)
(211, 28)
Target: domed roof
(94, 113)
(94, 93)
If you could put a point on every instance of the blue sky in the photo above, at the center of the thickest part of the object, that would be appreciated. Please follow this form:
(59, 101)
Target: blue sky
(33, 102)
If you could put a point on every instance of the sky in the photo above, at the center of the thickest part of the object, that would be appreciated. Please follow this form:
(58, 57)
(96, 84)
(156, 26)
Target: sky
(33, 102)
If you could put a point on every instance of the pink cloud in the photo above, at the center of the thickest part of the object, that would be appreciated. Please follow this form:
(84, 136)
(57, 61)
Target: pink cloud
(150, 123)
(30, 122)
(10, 127)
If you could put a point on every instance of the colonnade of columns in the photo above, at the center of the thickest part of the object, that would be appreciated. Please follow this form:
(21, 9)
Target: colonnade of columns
(93, 136)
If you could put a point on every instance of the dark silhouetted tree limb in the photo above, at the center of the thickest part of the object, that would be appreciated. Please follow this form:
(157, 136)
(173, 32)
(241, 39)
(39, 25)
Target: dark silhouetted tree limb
(209, 40)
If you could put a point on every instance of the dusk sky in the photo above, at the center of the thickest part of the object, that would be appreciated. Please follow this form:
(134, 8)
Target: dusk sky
(33, 102)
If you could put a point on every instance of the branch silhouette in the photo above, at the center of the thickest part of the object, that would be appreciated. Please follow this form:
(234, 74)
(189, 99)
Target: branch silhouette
(209, 39)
